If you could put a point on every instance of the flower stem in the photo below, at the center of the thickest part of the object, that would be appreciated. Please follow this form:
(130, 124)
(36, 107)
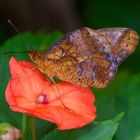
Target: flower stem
(24, 127)
(33, 129)
(28, 125)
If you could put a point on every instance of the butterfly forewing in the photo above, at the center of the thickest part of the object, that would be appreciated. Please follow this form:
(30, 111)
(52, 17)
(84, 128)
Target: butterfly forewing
(123, 41)
(81, 58)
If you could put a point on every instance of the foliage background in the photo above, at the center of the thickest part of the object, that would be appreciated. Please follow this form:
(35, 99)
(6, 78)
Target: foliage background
(43, 17)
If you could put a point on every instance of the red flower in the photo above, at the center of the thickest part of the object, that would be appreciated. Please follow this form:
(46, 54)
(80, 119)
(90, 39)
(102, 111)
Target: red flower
(29, 92)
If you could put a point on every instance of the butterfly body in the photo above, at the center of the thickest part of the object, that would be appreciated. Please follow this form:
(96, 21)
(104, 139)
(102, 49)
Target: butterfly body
(87, 57)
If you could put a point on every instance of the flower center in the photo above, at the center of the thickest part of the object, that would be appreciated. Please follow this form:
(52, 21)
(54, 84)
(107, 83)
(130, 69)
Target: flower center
(42, 99)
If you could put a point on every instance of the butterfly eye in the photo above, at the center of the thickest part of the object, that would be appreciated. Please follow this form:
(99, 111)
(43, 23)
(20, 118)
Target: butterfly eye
(33, 55)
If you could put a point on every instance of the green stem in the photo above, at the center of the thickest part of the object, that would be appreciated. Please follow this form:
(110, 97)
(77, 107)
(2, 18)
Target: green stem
(33, 129)
(28, 124)
(24, 127)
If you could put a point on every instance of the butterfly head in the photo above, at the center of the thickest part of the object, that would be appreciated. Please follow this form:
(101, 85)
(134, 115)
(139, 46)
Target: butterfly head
(34, 55)
(39, 58)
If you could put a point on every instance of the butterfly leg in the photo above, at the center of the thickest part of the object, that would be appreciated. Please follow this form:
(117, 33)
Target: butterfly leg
(59, 94)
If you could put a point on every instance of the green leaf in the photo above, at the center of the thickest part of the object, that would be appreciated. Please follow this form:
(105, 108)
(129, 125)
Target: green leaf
(95, 131)
(129, 101)
(106, 99)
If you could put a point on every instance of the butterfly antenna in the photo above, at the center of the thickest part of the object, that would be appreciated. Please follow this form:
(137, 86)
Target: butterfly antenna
(14, 52)
(21, 35)
(59, 95)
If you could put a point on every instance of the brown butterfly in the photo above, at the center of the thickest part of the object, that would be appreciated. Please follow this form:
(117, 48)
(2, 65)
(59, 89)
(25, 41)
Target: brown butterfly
(87, 57)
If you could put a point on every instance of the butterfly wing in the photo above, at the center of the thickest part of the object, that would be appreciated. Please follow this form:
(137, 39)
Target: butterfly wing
(123, 41)
(82, 57)
(88, 57)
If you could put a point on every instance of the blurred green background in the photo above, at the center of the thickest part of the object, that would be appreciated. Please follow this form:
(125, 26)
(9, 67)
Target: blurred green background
(43, 18)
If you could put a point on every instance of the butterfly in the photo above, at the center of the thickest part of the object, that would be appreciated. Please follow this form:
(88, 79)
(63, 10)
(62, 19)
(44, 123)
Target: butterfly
(87, 57)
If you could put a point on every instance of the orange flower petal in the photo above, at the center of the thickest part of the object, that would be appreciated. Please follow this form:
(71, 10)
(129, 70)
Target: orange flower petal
(26, 79)
(78, 100)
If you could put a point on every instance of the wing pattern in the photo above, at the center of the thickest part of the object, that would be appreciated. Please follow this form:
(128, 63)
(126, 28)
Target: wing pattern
(88, 57)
